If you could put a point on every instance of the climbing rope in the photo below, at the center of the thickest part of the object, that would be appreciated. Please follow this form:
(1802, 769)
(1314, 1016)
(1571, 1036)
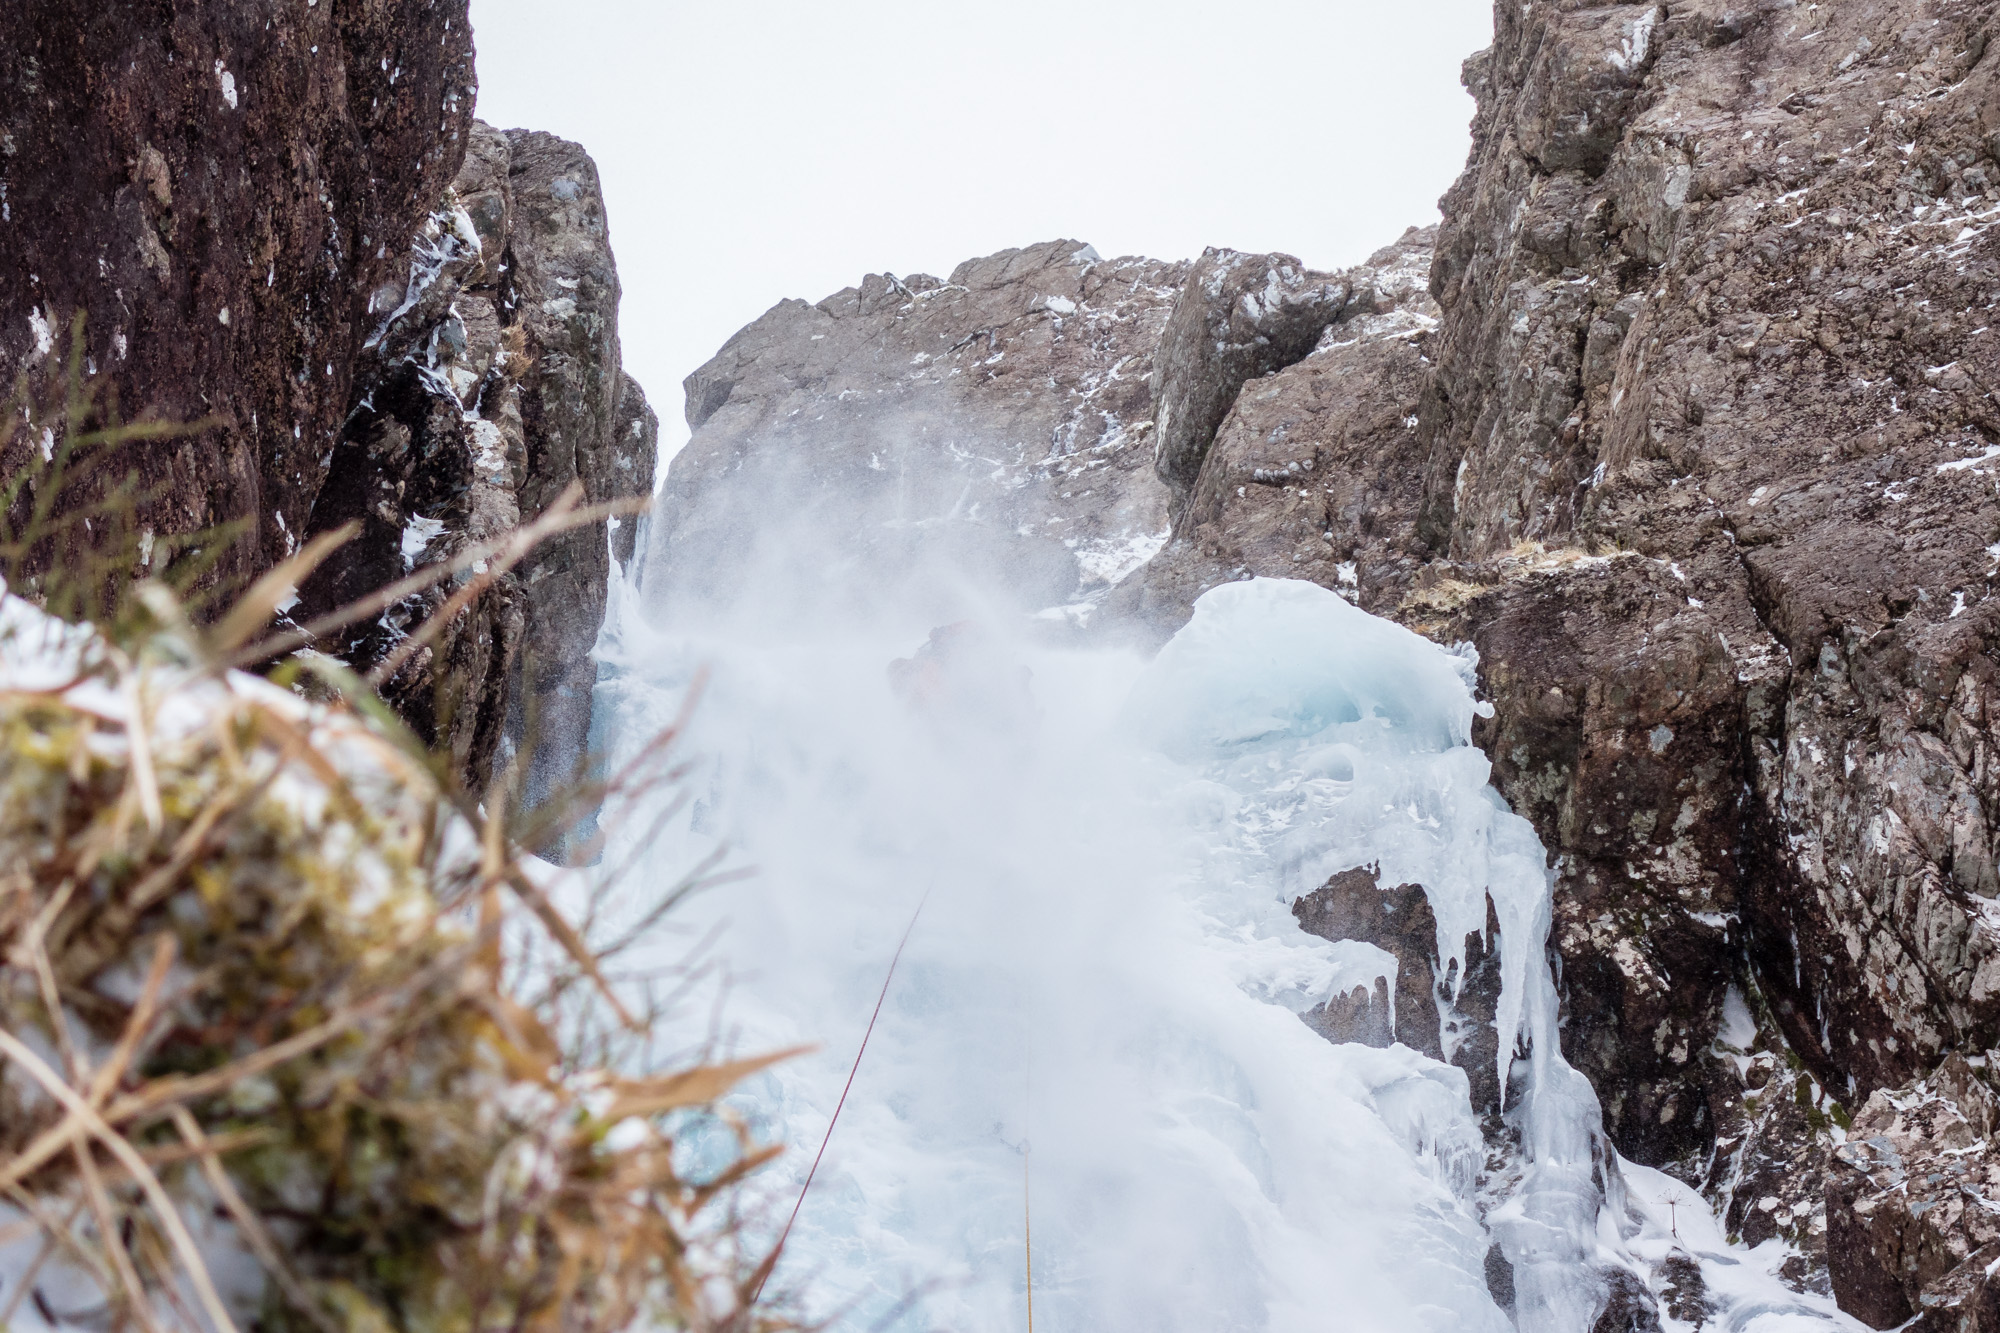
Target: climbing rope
(1027, 1196)
(770, 1265)
(1028, 1233)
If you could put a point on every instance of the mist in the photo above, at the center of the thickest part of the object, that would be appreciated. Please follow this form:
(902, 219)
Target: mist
(1093, 1035)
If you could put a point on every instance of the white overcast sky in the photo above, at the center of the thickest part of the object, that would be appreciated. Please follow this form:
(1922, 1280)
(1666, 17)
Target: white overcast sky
(757, 149)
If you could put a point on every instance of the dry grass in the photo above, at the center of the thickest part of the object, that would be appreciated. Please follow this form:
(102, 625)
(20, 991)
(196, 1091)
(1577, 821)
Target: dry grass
(1438, 595)
(251, 968)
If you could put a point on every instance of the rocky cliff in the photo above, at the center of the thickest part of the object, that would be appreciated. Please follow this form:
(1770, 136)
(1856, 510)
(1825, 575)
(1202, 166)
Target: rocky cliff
(219, 191)
(1683, 417)
(492, 382)
(990, 430)
(287, 231)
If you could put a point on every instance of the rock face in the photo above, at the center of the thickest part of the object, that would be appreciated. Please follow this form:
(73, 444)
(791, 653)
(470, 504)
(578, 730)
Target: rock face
(1315, 470)
(1239, 317)
(493, 385)
(1705, 444)
(1683, 417)
(1619, 728)
(217, 190)
(1439, 1012)
(913, 437)
(1718, 301)
(291, 231)
(1907, 1201)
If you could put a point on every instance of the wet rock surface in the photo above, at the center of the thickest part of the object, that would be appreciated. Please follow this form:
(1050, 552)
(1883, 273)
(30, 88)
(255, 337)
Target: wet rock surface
(1619, 728)
(1776, 1132)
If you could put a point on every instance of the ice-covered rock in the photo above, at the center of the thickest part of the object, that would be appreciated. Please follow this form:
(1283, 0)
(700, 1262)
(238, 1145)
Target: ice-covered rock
(1097, 860)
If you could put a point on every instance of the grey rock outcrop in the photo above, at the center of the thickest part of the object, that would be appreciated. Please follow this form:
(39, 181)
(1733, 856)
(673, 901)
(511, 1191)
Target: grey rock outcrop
(1744, 345)
(1755, 402)
(494, 384)
(1706, 477)
(578, 409)
(1238, 317)
(913, 441)
(1316, 470)
(635, 453)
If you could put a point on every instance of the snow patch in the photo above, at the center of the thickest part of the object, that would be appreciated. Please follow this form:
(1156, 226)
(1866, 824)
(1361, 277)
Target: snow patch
(1976, 462)
(419, 533)
(1632, 47)
(1106, 560)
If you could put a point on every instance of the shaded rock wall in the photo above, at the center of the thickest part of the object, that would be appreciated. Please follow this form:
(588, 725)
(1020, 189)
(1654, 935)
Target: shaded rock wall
(290, 228)
(219, 189)
(493, 384)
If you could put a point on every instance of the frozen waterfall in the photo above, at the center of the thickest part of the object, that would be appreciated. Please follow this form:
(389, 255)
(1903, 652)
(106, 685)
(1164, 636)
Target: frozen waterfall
(1094, 1030)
